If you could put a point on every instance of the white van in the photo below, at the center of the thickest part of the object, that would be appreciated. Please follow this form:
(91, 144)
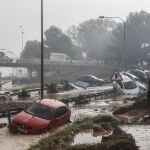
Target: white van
(127, 86)
(59, 57)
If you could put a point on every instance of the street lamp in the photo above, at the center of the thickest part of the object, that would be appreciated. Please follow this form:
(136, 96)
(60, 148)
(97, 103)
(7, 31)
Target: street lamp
(124, 37)
(42, 67)
(22, 32)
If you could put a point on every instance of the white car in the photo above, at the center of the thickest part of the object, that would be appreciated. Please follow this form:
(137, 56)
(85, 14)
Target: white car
(138, 82)
(127, 87)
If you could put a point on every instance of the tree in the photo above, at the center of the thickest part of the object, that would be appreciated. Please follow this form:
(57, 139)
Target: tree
(58, 42)
(32, 48)
(137, 34)
(92, 36)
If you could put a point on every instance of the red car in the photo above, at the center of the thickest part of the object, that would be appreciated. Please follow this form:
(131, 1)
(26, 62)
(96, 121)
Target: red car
(41, 116)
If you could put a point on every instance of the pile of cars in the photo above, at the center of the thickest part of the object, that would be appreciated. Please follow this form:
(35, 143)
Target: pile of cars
(133, 83)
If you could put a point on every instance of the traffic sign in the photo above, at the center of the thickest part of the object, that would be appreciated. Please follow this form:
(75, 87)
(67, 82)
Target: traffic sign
(116, 76)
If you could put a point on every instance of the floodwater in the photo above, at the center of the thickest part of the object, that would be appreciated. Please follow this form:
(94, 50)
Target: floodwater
(86, 138)
(10, 141)
(141, 134)
(22, 142)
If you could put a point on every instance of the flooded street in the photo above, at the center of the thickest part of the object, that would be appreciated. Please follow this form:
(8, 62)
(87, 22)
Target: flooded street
(94, 107)
(141, 134)
(22, 142)
(17, 141)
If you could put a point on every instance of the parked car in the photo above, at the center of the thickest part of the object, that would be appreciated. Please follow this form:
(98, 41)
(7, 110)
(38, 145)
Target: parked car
(138, 82)
(140, 74)
(127, 86)
(41, 116)
(92, 80)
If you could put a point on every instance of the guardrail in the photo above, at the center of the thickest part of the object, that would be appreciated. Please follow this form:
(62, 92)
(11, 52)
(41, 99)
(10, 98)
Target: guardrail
(77, 99)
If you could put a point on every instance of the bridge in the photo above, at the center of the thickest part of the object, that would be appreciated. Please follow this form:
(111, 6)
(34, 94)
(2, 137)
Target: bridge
(62, 69)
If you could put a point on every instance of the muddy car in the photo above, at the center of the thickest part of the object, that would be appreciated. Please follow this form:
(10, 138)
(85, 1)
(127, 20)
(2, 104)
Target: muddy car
(41, 116)
(91, 80)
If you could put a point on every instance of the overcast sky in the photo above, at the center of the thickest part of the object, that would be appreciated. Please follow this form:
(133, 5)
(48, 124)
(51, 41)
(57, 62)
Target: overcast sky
(62, 13)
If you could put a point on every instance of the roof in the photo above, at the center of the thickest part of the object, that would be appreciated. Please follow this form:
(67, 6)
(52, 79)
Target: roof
(51, 103)
(133, 76)
(126, 78)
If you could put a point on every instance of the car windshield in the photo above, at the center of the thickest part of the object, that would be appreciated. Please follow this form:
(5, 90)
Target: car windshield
(40, 111)
(130, 85)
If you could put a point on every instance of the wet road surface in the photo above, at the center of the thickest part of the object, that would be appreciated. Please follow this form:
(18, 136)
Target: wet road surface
(10, 141)
(94, 107)
(141, 134)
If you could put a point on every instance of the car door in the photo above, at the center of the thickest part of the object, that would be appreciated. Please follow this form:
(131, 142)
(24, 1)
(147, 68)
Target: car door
(61, 116)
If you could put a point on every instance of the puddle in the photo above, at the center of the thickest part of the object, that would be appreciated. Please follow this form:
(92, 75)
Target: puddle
(141, 134)
(87, 138)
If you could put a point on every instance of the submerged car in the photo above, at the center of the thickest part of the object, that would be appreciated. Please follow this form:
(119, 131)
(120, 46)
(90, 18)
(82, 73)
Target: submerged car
(138, 82)
(127, 86)
(140, 74)
(91, 80)
(41, 116)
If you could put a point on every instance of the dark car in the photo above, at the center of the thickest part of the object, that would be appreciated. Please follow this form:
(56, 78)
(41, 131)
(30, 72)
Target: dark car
(92, 80)
(140, 74)
(41, 116)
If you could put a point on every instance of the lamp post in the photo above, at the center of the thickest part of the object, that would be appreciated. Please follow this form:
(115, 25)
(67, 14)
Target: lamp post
(42, 81)
(22, 32)
(124, 37)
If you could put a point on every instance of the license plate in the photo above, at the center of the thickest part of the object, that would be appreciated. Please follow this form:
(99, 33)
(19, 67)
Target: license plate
(22, 130)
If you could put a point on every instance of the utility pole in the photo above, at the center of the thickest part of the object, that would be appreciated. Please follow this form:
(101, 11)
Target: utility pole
(124, 38)
(42, 67)
(22, 32)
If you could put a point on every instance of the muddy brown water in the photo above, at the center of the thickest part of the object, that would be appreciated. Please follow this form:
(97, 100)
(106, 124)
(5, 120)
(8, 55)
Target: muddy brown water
(10, 141)
(21, 142)
(141, 134)
(86, 138)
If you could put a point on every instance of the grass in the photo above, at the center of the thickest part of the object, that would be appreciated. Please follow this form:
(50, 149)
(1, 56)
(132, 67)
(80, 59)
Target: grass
(140, 103)
(115, 144)
(57, 139)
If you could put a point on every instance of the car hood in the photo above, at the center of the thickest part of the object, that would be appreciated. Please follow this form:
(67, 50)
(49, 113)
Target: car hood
(142, 86)
(134, 91)
(29, 120)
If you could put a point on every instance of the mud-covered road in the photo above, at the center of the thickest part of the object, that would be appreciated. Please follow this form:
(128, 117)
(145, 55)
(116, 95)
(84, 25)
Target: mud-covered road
(10, 141)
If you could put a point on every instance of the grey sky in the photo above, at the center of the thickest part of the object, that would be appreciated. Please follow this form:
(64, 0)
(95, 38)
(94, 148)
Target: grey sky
(62, 13)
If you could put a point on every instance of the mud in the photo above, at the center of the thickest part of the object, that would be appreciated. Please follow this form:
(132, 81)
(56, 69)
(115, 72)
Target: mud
(10, 141)
(22, 142)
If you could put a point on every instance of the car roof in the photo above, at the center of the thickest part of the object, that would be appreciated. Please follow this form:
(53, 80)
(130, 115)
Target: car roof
(126, 78)
(89, 76)
(140, 71)
(130, 74)
(51, 103)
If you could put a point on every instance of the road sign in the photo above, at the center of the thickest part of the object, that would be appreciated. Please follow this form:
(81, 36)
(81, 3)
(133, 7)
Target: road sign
(116, 76)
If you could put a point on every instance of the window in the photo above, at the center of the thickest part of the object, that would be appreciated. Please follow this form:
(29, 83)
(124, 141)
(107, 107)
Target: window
(60, 112)
(40, 111)
(130, 85)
